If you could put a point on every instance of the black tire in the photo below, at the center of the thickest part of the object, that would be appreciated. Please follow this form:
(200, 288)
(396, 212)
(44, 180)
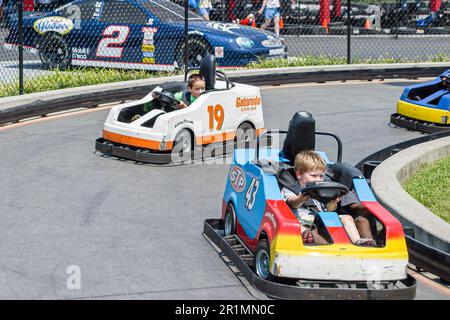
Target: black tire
(183, 146)
(245, 135)
(261, 260)
(54, 51)
(198, 49)
(230, 221)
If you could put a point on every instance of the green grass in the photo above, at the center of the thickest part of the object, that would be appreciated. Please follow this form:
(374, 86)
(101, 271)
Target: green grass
(322, 60)
(77, 77)
(431, 187)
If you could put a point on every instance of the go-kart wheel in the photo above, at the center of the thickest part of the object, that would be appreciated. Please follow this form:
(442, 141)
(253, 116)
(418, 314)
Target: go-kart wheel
(261, 260)
(245, 133)
(230, 221)
(198, 49)
(182, 149)
(54, 51)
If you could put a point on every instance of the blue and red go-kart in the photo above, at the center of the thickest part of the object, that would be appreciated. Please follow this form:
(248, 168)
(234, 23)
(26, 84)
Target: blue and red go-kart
(425, 107)
(137, 34)
(263, 236)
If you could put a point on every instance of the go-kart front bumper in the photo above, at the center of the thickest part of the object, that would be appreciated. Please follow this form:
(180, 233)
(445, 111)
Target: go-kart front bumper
(418, 125)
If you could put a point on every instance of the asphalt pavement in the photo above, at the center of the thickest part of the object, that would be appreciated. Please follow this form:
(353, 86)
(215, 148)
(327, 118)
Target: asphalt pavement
(135, 231)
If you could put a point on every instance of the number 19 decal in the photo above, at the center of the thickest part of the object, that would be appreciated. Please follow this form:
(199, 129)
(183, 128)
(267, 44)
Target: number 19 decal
(250, 196)
(216, 113)
(115, 36)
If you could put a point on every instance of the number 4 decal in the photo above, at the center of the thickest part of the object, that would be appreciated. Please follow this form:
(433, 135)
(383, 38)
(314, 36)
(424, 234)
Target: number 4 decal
(113, 39)
(250, 195)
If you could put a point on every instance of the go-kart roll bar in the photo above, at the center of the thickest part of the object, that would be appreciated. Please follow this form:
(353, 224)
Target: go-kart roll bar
(219, 73)
(265, 133)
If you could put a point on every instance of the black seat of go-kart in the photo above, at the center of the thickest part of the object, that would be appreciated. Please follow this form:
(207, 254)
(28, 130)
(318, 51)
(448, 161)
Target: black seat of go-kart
(344, 173)
(301, 135)
(208, 71)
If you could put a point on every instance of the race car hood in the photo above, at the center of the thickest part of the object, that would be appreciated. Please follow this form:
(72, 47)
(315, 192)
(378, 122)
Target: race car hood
(232, 30)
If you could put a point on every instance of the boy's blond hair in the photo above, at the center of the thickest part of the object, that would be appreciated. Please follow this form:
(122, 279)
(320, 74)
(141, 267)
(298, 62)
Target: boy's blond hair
(308, 160)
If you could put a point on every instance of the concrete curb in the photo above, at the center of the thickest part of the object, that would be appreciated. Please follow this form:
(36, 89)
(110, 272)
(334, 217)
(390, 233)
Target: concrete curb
(269, 73)
(386, 182)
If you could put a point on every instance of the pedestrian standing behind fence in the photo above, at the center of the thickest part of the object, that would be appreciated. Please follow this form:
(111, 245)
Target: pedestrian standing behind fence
(204, 7)
(271, 9)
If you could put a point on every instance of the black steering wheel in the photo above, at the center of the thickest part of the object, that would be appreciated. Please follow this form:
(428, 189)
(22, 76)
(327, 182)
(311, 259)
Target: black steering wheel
(167, 99)
(325, 191)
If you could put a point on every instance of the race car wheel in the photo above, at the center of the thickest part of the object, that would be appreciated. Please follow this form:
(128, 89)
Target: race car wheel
(261, 260)
(198, 49)
(182, 149)
(54, 51)
(230, 221)
(245, 134)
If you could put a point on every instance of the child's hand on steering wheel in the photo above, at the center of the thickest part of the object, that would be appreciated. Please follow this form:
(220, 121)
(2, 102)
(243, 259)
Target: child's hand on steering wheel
(181, 105)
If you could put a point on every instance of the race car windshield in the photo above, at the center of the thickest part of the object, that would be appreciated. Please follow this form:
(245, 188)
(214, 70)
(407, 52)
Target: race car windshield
(168, 11)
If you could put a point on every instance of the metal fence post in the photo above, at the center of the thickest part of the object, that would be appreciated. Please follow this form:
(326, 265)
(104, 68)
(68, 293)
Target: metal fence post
(349, 29)
(186, 35)
(20, 13)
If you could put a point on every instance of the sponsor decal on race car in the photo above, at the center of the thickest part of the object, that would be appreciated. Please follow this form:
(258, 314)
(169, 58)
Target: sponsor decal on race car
(148, 54)
(148, 48)
(248, 104)
(148, 60)
(80, 53)
(60, 25)
(183, 122)
(149, 32)
(223, 27)
(270, 216)
(98, 9)
(218, 52)
(237, 179)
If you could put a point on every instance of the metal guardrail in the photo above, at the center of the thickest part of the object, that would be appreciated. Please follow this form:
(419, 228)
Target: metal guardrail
(422, 255)
(275, 77)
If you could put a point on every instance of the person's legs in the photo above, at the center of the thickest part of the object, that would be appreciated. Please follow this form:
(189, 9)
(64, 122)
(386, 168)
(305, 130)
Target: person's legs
(363, 226)
(266, 23)
(350, 227)
(276, 25)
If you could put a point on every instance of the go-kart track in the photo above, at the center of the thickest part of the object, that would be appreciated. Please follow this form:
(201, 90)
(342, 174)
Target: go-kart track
(135, 231)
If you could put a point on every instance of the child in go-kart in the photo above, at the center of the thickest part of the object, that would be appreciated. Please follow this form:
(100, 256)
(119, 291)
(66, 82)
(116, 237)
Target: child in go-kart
(309, 168)
(195, 87)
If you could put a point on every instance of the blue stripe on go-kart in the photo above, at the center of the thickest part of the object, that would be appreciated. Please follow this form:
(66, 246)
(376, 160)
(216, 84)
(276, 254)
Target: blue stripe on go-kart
(250, 203)
(330, 219)
(363, 190)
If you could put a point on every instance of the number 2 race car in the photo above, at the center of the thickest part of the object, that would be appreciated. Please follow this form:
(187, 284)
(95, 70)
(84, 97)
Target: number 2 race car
(223, 114)
(262, 236)
(425, 107)
(137, 34)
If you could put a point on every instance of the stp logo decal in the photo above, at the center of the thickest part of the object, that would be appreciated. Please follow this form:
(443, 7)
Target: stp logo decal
(237, 179)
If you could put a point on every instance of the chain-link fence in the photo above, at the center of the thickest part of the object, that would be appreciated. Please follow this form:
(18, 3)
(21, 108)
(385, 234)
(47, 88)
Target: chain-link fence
(151, 34)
